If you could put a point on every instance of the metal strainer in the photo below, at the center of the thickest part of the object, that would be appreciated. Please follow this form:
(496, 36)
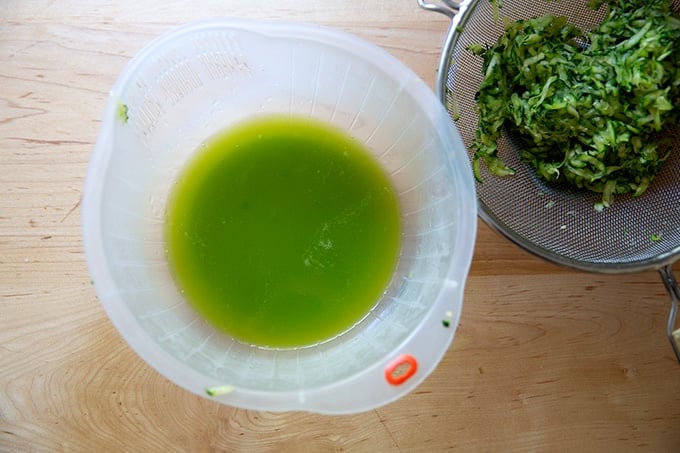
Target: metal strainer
(559, 223)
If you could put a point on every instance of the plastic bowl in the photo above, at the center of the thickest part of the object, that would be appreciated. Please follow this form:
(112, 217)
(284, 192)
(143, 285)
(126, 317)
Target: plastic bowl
(198, 80)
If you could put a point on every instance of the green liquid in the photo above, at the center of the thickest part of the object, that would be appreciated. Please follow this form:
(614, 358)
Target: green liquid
(283, 232)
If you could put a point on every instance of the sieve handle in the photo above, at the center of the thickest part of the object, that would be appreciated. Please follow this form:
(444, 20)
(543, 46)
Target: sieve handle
(449, 8)
(672, 331)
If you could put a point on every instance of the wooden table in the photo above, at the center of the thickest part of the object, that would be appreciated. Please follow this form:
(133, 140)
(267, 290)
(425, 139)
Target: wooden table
(544, 359)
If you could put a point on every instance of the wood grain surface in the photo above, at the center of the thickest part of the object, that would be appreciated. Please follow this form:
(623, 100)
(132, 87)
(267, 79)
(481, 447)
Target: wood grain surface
(545, 358)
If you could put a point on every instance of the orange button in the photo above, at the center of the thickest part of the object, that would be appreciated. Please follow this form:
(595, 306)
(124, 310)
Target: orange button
(401, 369)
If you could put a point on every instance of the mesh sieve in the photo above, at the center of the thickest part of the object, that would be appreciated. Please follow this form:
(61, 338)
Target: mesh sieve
(557, 222)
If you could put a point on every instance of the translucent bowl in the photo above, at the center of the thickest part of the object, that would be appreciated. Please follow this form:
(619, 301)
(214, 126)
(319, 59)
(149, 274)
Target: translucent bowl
(198, 80)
